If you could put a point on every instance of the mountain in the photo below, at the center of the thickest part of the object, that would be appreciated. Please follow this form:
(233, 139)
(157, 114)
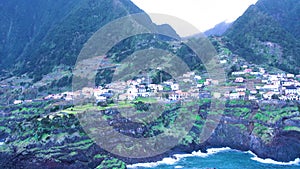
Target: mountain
(219, 29)
(268, 32)
(37, 36)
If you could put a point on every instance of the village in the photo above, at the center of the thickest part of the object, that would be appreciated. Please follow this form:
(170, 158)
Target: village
(245, 84)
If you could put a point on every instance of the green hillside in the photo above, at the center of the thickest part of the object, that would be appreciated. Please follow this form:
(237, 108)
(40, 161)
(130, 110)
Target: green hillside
(37, 36)
(268, 33)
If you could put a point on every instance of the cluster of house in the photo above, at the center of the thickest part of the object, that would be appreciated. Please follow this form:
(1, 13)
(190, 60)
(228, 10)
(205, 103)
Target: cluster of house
(169, 90)
(247, 84)
(132, 89)
(265, 86)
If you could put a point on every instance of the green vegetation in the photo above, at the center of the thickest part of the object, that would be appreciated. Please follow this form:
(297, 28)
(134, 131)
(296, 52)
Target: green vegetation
(241, 126)
(268, 21)
(238, 111)
(265, 133)
(112, 163)
(63, 28)
(62, 130)
(81, 108)
(146, 99)
(100, 156)
(291, 128)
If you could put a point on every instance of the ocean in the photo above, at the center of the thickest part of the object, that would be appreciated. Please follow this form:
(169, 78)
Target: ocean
(218, 158)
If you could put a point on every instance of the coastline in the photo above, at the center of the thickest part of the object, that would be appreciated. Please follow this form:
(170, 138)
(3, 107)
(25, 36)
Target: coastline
(211, 151)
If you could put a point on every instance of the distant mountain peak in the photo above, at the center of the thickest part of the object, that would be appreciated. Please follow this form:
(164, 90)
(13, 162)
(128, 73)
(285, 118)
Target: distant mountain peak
(219, 29)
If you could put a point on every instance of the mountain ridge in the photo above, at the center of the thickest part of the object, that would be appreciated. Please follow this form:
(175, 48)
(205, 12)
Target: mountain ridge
(37, 41)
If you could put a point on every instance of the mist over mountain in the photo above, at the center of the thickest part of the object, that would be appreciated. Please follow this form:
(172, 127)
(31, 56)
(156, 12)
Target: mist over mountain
(268, 33)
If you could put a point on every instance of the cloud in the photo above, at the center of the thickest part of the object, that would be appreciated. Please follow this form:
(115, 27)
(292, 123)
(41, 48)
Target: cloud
(203, 14)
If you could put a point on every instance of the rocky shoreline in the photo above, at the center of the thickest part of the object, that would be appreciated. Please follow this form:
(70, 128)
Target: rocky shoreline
(284, 147)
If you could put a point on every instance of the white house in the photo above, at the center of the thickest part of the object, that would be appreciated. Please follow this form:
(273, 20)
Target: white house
(273, 77)
(253, 92)
(252, 98)
(280, 75)
(100, 98)
(248, 70)
(234, 96)
(276, 83)
(178, 95)
(153, 87)
(160, 87)
(175, 87)
(132, 82)
(223, 61)
(199, 85)
(18, 101)
(255, 73)
(98, 92)
(262, 70)
(245, 66)
(298, 90)
(290, 75)
(273, 88)
(142, 91)
(189, 74)
(242, 94)
(268, 95)
(197, 77)
(69, 98)
(240, 89)
(132, 92)
(206, 83)
(239, 80)
(288, 83)
(289, 97)
(291, 90)
(238, 73)
(265, 75)
(292, 97)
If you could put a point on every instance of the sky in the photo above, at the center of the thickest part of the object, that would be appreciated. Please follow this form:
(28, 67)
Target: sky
(202, 14)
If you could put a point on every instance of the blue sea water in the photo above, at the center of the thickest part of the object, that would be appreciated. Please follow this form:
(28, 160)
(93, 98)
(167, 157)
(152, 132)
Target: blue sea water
(223, 158)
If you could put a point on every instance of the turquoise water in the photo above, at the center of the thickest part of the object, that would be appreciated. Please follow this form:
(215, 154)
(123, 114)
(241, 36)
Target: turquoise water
(219, 159)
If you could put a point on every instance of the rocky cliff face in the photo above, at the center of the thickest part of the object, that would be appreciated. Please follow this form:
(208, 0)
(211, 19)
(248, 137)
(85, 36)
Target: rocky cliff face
(283, 147)
(49, 135)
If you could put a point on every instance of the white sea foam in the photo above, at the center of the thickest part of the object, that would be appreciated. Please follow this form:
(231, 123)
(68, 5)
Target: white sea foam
(171, 161)
(270, 161)
(177, 157)
(1, 143)
(210, 151)
(167, 161)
